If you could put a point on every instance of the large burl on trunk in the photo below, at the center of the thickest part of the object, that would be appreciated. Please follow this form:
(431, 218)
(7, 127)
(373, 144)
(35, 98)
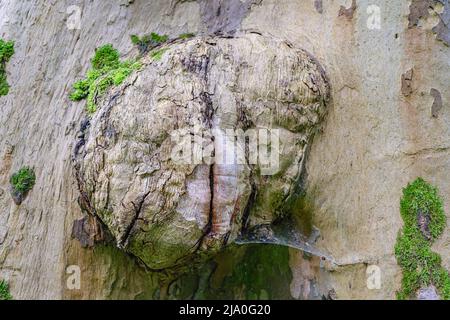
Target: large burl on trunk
(388, 124)
(168, 212)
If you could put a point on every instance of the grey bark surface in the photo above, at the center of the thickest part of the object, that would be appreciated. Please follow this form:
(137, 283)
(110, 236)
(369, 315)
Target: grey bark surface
(374, 140)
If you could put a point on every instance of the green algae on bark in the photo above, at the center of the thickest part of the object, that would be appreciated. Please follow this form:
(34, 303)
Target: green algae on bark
(424, 220)
(107, 71)
(6, 52)
(4, 291)
(253, 271)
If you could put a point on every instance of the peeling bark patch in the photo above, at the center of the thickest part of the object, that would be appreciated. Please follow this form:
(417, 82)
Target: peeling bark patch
(420, 9)
(88, 231)
(407, 78)
(225, 16)
(348, 12)
(442, 29)
(318, 5)
(437, 104)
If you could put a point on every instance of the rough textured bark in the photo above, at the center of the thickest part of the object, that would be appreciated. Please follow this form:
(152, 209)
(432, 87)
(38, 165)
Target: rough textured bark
(374, 141)
(164, 210)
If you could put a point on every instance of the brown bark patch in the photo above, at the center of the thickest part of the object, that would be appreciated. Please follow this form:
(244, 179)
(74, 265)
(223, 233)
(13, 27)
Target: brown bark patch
(348, 12)
(88, 231)
(437, 104)
(407, 78)
(318, 5)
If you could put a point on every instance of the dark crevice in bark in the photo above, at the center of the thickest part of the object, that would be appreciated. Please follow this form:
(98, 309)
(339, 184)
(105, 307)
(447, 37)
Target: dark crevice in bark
(137, 208)
(200, 67)
(209, 225)
(247, 124)
(81, 137)
(248, 207)
(211, 202)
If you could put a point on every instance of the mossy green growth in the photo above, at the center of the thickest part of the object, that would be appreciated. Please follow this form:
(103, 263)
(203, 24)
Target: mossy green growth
(107, 71)
(6, 52)
(4, 291)
(157, 38)
(186, 35)
(23, 180)
(145, 42)
(157, 54)
(421, 209)
(253, 271)
(105, 57)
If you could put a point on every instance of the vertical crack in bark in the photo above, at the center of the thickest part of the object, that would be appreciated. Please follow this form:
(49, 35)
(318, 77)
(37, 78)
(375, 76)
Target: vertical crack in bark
(248, 206)
(209, 226)
(201, 68)
(137, 208)
(253, 192)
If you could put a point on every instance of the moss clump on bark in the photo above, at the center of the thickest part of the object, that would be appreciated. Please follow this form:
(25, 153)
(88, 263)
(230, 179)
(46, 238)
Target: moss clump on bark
(157, 54)
(23, 180)
(187, 35)
(6, 52)
(424, 220)
(4, 291)
(107, 71)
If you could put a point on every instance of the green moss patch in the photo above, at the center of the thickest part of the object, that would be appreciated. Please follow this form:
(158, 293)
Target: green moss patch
(107, 71)
(424, 220)
(4, 291)
(157, 54)
(6, 52)
(23, 180)
(186, 35)
(254, 271)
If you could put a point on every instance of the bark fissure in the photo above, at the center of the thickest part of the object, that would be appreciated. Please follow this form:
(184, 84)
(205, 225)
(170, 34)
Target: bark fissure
(124, 241)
